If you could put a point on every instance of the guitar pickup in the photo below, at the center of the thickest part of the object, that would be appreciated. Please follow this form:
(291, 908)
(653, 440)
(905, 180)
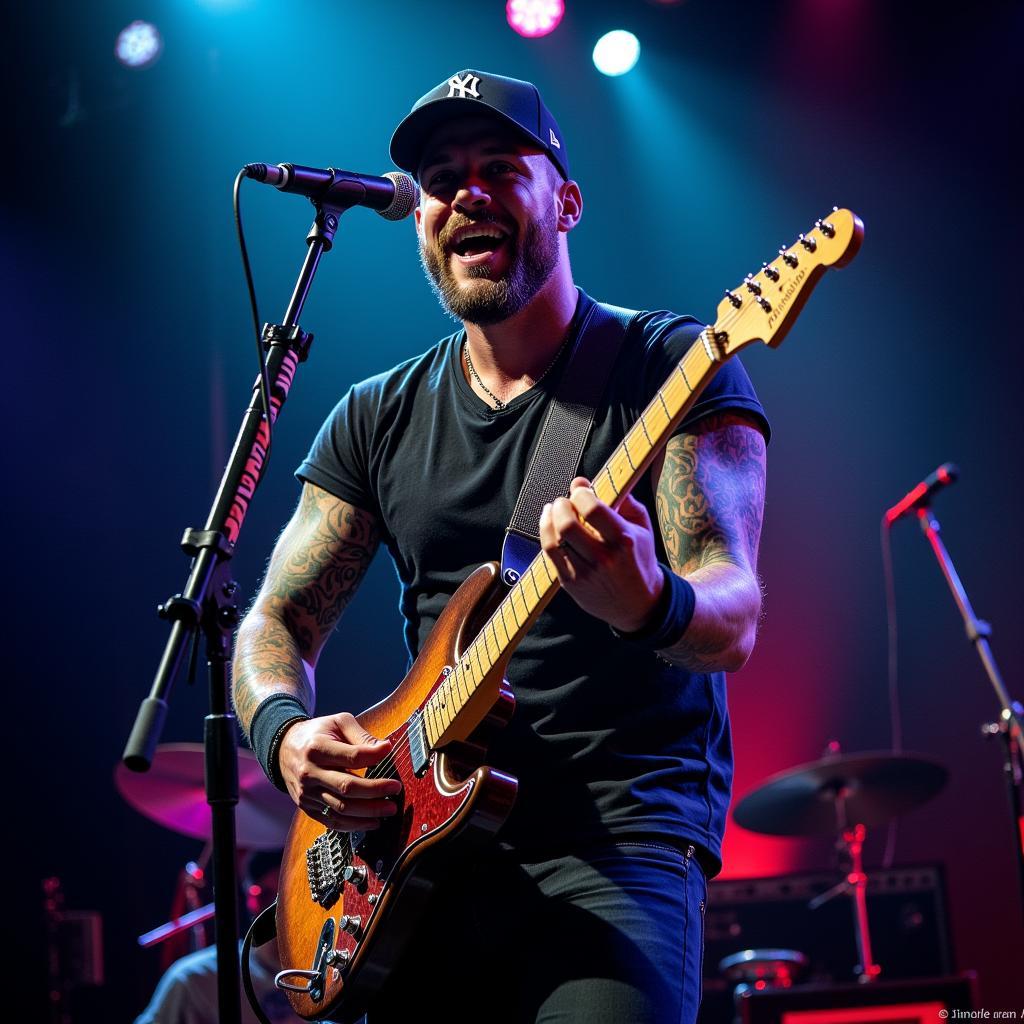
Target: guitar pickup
(418, 749)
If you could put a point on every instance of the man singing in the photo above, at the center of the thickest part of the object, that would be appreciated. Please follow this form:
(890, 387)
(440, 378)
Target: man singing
(589, 906)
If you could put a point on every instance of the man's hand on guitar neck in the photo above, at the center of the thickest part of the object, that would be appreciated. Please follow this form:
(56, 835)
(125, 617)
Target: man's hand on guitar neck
(605, 559)
(316, 760)
(709, 488)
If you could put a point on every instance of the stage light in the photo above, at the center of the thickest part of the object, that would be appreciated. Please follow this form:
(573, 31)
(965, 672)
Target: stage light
(138, 45)
(534, 18)
(616, 52)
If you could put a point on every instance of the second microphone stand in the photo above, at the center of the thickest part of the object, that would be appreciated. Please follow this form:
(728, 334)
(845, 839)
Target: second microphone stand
(1011, 713)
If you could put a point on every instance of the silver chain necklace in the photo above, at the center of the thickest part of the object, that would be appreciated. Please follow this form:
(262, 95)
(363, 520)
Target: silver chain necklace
(498, 403)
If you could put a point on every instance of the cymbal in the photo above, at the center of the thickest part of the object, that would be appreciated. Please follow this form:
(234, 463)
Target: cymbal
(876, 786)
(173, 794)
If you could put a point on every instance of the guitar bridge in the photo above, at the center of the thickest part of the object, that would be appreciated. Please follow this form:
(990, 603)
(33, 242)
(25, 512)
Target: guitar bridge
(326, 860)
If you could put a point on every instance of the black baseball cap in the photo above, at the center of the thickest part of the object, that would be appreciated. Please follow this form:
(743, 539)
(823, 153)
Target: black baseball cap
(515, 103)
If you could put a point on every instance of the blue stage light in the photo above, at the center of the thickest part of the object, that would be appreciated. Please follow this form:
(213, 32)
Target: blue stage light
(616, 52)
(138, 45)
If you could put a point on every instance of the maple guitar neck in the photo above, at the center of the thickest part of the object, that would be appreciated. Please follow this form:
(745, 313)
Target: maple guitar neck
(762, 308)
(538, 584)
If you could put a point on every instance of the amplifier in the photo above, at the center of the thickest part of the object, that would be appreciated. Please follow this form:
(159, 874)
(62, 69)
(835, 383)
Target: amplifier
(922, 1001)
(906, 912)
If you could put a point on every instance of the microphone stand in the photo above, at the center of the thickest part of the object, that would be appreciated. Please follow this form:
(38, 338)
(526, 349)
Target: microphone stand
(208, 604)
(1009, 723)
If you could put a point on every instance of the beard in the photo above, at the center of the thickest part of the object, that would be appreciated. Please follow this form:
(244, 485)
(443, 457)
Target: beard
(533, 259)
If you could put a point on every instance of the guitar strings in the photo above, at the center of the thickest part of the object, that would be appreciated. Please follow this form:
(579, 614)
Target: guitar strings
(397, 759)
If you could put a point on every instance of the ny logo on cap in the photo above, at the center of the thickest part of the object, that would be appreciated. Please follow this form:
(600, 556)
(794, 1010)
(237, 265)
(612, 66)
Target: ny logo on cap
(554, 140)
(464, 86)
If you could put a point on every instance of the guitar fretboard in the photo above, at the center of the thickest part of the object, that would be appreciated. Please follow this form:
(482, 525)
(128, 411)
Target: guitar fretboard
(539, 583)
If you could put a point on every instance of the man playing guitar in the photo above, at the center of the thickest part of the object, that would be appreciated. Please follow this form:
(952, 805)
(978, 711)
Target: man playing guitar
(589, 906)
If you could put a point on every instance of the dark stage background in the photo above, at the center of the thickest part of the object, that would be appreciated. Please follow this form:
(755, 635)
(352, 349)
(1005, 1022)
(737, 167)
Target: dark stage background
(130, 360)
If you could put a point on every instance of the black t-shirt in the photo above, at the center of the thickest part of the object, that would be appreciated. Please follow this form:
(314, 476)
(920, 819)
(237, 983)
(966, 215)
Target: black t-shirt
(607, 739)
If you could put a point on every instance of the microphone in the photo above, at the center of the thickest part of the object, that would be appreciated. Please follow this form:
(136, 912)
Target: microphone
(921, 495)
(393, 196)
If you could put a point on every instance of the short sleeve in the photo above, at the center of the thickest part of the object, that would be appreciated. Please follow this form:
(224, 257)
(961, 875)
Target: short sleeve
(339, 458)
(666, 339)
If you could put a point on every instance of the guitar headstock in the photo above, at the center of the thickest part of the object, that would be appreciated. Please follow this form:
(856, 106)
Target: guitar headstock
(764, 306)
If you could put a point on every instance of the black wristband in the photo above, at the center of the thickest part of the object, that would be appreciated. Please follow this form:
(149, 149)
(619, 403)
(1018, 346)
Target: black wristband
(670, 616)
(267, 728)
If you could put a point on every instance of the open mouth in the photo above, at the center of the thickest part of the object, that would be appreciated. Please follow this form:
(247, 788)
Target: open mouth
(478, 243)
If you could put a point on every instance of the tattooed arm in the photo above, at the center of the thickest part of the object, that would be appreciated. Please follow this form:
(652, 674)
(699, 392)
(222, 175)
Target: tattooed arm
(710, 494)
(710, 499)
(317, 564)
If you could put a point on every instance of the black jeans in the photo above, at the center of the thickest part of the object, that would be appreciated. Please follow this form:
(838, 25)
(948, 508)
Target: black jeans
(612, 936)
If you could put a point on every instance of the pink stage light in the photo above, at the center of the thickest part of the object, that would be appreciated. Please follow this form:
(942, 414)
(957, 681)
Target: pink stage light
(534, 18)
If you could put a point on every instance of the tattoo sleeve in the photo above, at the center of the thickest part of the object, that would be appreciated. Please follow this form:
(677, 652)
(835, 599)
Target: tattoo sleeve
(316, 567)
(710, 501)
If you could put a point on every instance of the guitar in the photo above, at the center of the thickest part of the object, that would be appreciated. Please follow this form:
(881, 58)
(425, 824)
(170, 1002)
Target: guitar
(348, 901)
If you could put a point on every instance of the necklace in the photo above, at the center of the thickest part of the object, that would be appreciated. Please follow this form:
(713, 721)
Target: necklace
(498, 403)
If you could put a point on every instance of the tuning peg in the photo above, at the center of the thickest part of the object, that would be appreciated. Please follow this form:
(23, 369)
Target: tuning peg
(764, 304)
(770, 272)
(752, 285)
(825, 228)
(788, 258)
(808, 243)
(733, 298)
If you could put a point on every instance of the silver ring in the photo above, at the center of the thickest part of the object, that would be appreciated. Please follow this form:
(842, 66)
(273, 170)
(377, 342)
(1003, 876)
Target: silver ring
(324, 811)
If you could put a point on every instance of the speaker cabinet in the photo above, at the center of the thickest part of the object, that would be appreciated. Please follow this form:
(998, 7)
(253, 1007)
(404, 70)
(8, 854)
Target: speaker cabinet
(906, 911)
(921, 1001)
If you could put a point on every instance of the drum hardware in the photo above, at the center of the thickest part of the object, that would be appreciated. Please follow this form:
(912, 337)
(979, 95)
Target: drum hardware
(74, 940)
(193, 919)
(172, 793)
(843, 794)
(759, 970)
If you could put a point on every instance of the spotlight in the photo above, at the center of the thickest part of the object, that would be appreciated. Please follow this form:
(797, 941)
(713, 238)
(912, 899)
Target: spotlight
(534, 18)
(138, 45)
(616, 52)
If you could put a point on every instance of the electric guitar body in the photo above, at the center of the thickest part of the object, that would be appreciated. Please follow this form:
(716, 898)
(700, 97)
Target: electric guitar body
(348, 901)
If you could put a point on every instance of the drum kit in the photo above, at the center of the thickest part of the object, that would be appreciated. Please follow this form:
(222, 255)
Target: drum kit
(842, 795)
(173, 794)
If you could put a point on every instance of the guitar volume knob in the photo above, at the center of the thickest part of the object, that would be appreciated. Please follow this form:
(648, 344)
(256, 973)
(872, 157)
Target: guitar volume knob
(355, 875)
(351, 923)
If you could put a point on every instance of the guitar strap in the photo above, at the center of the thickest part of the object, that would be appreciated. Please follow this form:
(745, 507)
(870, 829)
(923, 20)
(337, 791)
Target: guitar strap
(566, 428)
